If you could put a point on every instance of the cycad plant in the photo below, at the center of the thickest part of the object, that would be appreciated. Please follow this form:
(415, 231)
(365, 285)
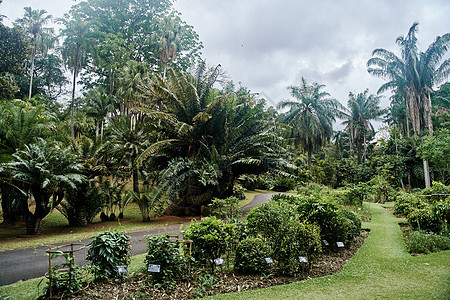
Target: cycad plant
(47, 171)
(209, 138)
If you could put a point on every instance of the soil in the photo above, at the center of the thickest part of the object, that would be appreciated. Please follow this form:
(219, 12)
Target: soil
(140, 286)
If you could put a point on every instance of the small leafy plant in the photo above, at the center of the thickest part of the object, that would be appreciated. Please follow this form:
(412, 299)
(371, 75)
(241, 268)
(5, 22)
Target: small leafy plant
(210, 238)
(67, 277)
(250, 256)
(171, 258)
(107, 251)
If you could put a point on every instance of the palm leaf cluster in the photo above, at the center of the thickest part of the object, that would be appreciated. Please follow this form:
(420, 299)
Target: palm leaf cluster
(210, 138)
(311, 115)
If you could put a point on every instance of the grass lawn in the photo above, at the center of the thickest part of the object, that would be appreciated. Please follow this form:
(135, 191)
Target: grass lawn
(55, 227)
(381, 269)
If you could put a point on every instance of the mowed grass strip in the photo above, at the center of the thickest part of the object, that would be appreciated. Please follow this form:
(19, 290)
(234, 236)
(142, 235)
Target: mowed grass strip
(381, 269)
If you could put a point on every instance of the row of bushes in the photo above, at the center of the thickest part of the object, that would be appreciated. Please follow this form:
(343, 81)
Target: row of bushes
(283, 229)
(428, 216)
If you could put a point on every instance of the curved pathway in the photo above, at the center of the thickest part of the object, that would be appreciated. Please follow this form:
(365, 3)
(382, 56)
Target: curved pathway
(27, 263)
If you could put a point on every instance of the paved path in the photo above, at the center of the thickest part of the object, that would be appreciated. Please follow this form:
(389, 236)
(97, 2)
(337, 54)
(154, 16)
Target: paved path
(27, 263)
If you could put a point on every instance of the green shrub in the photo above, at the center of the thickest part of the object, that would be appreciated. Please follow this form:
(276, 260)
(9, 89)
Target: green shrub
(436, 188)
(355, 228)
(238, 192)
(310, 188)
(357, 193)
(292, 240)
(210, 238)
(283, 184)
(289, 238)
(250, 256)
(171, 258)
(442, 210)
(424, 219)
(107, 251)
(225, 209)
(267, 218)
(423, 242)
(335, 224)
(405, 203)
(291, 199)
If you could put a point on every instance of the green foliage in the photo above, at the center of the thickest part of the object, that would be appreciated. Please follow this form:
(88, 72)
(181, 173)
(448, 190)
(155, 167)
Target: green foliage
(148, 205)
(205, 283)
(436, 149)
(211, 238)
(253, 182)
(171, 258)
(425, 219)
(336, 224)
(226, 209)
(295, 239)
(67, 281)
(250, 256)
(287, 234)
(267, 218)
(405, 203)
(419, 242)
(283, 183)
(357, 193)
(441, 209)
(381, 188)
(107, 251)
(310, 188)
(436, 188)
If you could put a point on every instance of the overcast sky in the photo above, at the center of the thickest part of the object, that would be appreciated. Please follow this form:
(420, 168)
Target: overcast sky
(270, 44)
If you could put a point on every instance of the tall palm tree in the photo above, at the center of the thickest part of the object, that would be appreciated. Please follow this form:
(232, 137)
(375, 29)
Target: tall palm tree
(167, 39)
(133, 76)
(33, 23)
(413, 76)
(127, 142)
(362, 108)
(311, 115)
(74, 52)
(98, 105)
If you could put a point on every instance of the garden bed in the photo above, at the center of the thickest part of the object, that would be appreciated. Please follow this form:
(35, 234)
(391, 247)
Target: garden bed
(139, 286)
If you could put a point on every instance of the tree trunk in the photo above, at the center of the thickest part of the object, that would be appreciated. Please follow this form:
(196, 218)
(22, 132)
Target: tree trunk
(33, 223)
(426, 173)
(72, 105)
(359, 151)
(135, 175)
(310, 161)
(33, 54)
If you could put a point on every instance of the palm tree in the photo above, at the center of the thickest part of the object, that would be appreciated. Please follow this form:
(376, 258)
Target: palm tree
(33, 23)
(167, 39)
(127, 142)
(311, 115)
(413, 76)
(362, 108)
(46, 170)
(133, 76)
(74, 52)
(98, 105)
